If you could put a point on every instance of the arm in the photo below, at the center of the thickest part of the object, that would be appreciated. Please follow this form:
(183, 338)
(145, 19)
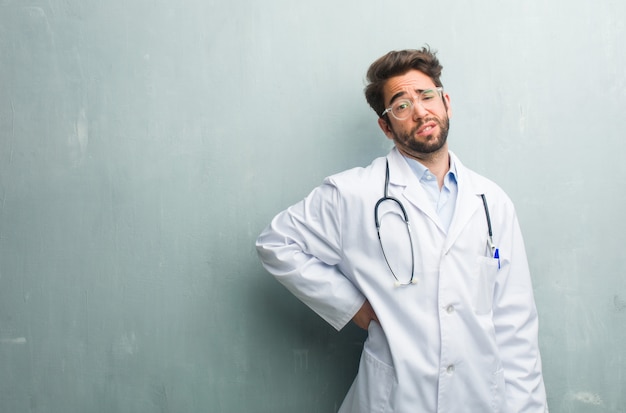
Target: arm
(516, 324)
(302, 248)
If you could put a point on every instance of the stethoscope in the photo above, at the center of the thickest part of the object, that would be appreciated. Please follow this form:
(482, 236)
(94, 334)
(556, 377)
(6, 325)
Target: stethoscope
(405, 218)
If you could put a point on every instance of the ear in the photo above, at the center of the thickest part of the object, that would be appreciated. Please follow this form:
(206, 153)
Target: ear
(446, 98)
(386, 128)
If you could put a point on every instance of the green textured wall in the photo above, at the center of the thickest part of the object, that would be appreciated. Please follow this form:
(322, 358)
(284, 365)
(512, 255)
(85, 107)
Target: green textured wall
(145, 144)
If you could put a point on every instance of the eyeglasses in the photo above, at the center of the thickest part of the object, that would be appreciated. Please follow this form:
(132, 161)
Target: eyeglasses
(403, 108)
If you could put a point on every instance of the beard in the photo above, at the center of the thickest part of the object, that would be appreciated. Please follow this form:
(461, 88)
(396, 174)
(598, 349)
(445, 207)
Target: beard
(432, 144)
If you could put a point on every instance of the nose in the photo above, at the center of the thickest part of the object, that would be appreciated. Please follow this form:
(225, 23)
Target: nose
(419, 111)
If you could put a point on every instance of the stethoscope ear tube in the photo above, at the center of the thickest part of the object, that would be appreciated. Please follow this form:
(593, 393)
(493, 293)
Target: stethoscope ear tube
(487, 214)
(494, 250)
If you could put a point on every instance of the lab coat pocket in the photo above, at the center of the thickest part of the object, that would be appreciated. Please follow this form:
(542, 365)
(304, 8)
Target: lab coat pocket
(484, 284)
(373, 386)
(372, 389)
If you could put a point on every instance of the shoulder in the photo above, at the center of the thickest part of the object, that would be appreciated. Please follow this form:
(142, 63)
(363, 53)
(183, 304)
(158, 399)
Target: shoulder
(348, 188)
(359, 178)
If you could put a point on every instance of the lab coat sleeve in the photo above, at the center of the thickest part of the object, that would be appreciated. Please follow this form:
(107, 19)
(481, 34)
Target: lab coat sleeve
(302, 249)
(516, 323)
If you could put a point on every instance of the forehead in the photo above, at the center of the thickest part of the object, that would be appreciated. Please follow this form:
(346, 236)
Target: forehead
(411, 80)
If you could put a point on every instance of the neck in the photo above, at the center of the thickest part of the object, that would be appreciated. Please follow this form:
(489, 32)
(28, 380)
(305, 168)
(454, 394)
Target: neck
(438, 162)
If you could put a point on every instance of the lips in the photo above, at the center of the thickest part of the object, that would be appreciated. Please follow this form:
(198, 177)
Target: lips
(426, 128)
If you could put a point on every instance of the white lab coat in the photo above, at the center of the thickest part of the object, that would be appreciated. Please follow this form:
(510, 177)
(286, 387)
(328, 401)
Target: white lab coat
(464, 338)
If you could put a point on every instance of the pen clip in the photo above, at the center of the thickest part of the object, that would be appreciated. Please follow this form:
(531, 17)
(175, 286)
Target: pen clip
(495, 252)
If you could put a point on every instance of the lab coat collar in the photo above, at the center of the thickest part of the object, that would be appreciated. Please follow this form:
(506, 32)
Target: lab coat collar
(401, 176)
(468, 200)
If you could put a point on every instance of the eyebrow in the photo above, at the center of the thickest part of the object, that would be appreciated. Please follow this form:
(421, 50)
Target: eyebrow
(403, 92)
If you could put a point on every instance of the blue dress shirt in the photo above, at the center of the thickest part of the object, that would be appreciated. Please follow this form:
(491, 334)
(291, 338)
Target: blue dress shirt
(444, 200)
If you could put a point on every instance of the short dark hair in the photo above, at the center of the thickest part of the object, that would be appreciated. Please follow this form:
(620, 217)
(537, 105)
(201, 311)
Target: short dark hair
(397, 63)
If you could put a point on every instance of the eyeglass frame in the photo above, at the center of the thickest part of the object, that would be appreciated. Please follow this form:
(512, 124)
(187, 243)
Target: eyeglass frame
(439, 90)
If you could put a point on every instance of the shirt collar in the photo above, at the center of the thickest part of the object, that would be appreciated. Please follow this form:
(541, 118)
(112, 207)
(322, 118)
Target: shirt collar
(421, 172)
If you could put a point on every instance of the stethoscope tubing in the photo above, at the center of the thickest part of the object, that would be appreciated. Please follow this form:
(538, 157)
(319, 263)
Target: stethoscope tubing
(405, 217)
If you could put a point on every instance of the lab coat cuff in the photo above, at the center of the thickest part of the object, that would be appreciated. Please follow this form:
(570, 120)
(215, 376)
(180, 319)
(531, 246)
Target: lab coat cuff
(341, 322)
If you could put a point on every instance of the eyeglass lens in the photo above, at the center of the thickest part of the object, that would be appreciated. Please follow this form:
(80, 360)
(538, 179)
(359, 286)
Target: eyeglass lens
(402, 109)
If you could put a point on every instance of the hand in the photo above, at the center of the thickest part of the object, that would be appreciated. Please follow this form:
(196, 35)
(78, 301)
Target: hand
(364, 316)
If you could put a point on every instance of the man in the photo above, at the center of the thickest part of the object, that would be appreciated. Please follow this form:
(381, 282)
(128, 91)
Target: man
(423, 253)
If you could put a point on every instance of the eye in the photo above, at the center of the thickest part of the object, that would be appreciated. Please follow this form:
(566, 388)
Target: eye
(402, 106)
(429, 94)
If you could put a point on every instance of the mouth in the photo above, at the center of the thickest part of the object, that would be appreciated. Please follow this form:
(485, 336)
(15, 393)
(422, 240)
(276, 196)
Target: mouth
(427, 128)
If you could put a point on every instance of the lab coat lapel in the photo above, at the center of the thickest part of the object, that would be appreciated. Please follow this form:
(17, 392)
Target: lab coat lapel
(468, 203)
(401, 175)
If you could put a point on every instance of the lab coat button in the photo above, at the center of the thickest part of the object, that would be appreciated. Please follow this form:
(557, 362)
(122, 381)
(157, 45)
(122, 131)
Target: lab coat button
(450, 309)
(450, 369)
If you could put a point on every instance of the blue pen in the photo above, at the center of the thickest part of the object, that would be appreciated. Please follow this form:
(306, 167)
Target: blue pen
(496, 255)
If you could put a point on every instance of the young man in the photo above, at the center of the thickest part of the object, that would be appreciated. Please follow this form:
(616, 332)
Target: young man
(423, 253)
